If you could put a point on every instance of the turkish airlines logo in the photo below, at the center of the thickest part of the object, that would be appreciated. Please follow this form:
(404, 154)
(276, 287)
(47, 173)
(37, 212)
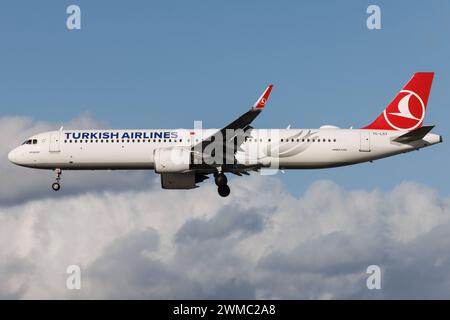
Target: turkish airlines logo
(406, 112)
(261, 103)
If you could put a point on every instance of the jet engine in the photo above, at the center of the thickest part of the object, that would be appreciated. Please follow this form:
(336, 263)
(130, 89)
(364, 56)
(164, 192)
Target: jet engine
(172, 160)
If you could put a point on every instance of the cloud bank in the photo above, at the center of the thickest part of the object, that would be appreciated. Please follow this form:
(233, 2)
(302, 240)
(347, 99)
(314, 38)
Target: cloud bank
(262, 242)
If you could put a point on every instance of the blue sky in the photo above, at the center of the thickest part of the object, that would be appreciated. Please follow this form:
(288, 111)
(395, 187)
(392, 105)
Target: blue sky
(144, 64)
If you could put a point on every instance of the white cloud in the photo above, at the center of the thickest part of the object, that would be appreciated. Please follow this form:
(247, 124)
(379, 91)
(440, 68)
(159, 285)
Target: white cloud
(261, 242)
(179, 244)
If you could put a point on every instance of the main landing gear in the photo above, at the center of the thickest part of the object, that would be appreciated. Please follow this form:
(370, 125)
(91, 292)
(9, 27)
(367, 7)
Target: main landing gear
(56, 186)
(221, 181)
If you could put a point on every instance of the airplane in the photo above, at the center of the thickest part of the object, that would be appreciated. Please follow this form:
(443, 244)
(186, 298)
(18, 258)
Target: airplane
(186, 157)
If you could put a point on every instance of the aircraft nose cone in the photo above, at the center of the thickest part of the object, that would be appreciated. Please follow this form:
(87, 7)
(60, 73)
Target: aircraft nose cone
(12, 157)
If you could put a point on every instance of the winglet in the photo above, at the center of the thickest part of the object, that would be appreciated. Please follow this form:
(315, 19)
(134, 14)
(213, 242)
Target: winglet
(260, 103)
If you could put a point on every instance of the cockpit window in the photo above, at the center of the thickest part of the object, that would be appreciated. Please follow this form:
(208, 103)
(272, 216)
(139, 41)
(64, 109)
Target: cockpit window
(31, 141)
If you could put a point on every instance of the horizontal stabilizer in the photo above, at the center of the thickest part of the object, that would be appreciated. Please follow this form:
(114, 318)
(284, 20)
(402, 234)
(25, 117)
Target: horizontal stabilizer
(414, 135)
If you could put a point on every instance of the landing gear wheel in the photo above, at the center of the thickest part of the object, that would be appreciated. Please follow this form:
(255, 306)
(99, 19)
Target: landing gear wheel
(56, 186)
(220, 179)
(224, 190)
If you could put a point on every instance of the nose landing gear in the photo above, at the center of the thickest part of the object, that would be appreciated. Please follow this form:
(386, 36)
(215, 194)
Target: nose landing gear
(221, 181)
(56, 186)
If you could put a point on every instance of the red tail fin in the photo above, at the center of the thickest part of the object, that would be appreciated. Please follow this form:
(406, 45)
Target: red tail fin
(407, 110)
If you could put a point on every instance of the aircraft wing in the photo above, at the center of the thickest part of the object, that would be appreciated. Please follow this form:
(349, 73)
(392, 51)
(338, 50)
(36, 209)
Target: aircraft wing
(244, 120)
(242, 123)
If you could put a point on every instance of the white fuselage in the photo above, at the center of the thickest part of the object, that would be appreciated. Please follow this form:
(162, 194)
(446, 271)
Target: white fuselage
(281, 148)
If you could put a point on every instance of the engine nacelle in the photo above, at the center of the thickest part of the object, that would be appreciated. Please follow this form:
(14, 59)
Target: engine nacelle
(172, 160)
